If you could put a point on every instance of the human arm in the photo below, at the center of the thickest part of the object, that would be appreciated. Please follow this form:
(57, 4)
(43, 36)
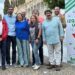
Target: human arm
(5, 30)
(61, 31)
(43, 34)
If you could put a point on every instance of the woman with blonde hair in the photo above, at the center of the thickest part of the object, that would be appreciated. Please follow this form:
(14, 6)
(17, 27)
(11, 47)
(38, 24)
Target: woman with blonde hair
(35, 39)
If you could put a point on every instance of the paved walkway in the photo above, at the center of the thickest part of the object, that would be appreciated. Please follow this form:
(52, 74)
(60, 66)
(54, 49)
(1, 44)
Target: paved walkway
(66, 70)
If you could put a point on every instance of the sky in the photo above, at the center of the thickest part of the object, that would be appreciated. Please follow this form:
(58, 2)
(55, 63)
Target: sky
(1, 6)
(1, 1)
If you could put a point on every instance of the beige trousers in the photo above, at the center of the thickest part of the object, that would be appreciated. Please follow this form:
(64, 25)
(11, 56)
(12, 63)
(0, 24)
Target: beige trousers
(54, 51)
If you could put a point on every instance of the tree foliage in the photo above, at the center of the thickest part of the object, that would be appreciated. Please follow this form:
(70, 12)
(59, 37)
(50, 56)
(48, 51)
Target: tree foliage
(6, 5)
(14, 3)
(21, 2)
(52, 3)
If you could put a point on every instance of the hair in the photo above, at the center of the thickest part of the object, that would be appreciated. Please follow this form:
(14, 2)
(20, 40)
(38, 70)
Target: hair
(47, 11)
(17, 16)
(35, 10)
(10, 6)
(35, 18)
(56, 7)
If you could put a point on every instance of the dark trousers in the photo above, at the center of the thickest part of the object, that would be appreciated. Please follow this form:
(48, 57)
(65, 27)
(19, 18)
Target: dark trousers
(3, 52)
(61, 51)
(40, 53)
(11, 40)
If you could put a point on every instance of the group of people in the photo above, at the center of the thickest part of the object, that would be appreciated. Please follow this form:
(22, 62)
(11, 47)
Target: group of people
(18, 31)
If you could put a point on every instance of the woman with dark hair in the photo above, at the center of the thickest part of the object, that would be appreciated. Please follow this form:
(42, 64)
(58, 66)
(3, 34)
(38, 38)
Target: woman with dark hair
(3, 37)
(35, 39)
(22, 36)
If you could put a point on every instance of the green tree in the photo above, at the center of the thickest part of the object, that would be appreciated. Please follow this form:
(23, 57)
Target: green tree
(21, 2)
(6, 5)
(52, 3)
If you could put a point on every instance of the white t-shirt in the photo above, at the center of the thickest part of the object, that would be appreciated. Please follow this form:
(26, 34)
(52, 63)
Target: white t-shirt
(1, 27)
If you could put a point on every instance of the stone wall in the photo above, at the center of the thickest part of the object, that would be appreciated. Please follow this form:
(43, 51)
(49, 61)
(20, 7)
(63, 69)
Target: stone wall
(32, 4)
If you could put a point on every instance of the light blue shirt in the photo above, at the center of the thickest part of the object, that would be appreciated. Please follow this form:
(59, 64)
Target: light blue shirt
(52, 30)
(11, 24)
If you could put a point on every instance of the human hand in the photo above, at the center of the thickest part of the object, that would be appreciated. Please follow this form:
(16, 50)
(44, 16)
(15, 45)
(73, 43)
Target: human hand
(62, 38)
(0, 39)
(36, 41)
(44, 42)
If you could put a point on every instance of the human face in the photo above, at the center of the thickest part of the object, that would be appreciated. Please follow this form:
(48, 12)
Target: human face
(0, 17)
(36, 13)
(19, 17)
(10, 11)
(33, 19)
(57, 11)
(48, 15)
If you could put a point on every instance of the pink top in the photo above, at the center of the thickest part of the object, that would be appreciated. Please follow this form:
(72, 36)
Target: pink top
(41, 19)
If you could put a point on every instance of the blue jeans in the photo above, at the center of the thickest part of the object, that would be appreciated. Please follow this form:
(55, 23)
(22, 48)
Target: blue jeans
(40, 52)
(23, 51)
(35, 48)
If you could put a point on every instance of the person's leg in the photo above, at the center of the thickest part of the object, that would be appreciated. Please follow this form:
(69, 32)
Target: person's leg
(13, 39)
(36, 54)
(25, 54)
(41, 52)
(33, 60)
(3, 54)
(28, 52)
(8, 42)
(57, 49)
(20, 52)
(51, 54)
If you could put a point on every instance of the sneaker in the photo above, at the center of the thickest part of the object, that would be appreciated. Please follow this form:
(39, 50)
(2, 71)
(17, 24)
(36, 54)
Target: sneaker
(21, 65)
(33, 66)
(3, 68)
(36, 67)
